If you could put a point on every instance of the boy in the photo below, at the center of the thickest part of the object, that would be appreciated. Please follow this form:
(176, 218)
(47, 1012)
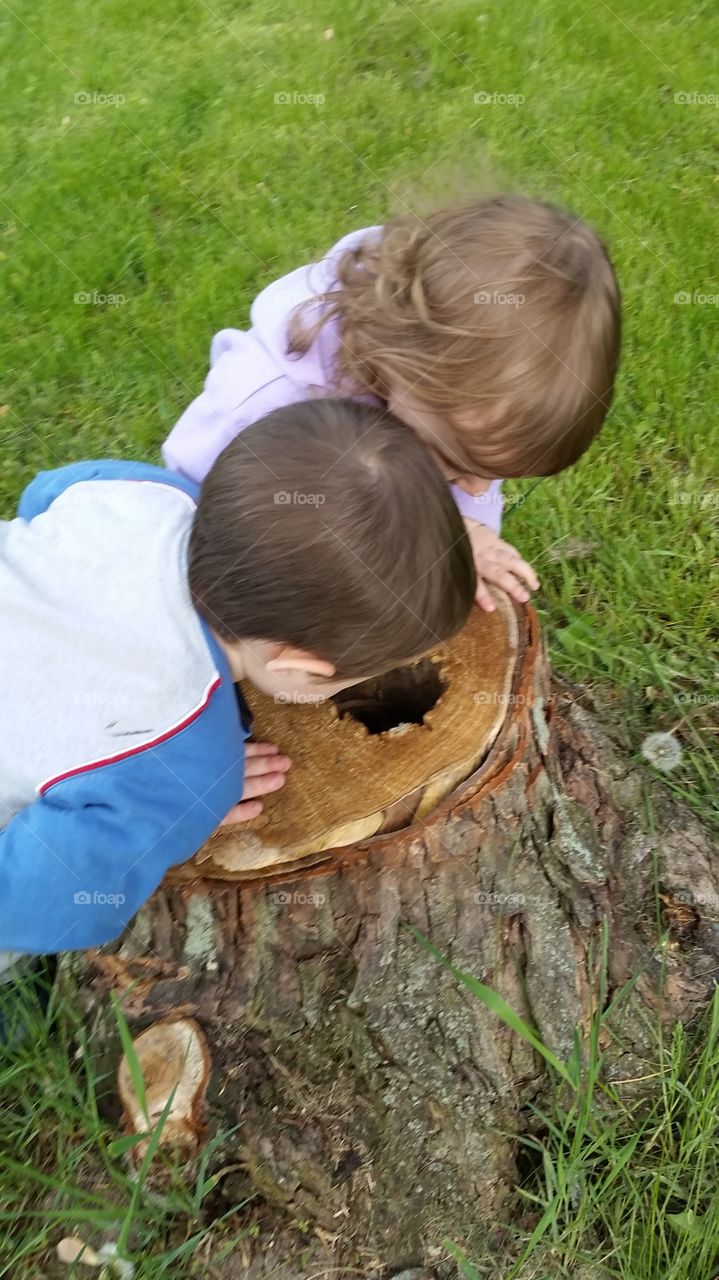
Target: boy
(132, 607)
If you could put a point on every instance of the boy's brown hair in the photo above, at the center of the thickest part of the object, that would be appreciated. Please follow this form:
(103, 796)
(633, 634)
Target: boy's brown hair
(327, 526)
(503, 315)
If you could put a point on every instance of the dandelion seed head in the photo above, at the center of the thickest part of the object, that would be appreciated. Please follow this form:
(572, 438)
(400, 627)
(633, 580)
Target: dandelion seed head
(662, 750)
(115, 1268)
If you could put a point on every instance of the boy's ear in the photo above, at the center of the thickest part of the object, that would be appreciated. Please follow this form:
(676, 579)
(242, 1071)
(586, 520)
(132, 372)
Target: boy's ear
(289, 659)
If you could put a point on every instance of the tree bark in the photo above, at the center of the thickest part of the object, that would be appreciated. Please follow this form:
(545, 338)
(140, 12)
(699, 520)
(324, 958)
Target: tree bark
(373, 1093)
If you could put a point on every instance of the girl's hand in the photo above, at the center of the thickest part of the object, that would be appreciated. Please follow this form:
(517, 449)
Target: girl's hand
(500, 563)
(265, 771)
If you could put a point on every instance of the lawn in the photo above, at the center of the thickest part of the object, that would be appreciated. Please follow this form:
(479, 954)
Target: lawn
(162, 162)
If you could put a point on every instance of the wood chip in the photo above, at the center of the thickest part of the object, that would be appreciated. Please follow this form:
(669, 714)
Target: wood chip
(172, 1055)
(73, 1249)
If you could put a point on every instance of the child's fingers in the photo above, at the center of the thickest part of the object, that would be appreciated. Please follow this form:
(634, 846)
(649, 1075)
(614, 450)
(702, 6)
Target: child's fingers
(527, 574)
(242, 812)
(505, 579)
(260, 749)
(512, 560)
(483, 597)
(261, 783)
(255, 766)
(250, 806)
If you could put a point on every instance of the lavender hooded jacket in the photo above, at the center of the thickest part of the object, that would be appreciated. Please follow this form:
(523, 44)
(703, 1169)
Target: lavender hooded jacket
(251, 374)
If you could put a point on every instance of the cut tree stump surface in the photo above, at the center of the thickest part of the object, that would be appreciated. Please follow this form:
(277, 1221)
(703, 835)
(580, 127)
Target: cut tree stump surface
(347, 782)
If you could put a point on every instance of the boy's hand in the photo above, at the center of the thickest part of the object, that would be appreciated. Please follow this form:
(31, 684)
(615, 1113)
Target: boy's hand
(265, 771)
(500, 563)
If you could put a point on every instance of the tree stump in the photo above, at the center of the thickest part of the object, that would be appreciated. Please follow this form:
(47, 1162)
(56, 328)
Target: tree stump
(370, 1093)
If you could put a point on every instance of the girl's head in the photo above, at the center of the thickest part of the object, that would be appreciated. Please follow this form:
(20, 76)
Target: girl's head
(492, 328)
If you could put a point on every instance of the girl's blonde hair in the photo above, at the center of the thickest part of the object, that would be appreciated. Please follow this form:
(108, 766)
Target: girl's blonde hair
(502, 315)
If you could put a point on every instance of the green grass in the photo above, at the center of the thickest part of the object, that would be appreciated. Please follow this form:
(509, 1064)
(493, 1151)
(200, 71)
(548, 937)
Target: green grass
(616, 1188)
(198, 188)
(195, 189)
(65, 1172)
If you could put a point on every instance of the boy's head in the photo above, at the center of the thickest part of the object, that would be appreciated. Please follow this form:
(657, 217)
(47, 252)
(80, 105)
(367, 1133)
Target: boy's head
(492, 328)
(327, 546)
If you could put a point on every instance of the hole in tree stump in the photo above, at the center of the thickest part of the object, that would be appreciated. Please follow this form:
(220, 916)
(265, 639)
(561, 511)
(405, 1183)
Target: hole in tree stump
(395, 699)
(364, 763)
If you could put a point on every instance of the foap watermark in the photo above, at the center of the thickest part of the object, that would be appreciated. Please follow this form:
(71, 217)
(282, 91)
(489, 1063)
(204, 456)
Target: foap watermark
(97, 299)
(513, 901)
(295, 99)
(512, 500)
(493, 297)
(699, 299)
(92, 99)
(705, 499)
(291, 298)
(86, 898)
(302, 699)
(96, 698)
(298, 498)
(687, 699)
(492, 698)
(700, 901)
(282, 898)
(693, 99)
(489, 499)
(484, 99)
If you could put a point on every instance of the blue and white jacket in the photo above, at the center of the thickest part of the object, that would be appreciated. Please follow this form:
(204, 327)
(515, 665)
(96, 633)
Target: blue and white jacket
(121, 739)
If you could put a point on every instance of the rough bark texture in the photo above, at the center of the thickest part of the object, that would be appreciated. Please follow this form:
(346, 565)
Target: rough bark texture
(371, 1090)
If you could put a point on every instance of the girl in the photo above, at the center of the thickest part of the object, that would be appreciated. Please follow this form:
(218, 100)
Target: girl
(490, 328)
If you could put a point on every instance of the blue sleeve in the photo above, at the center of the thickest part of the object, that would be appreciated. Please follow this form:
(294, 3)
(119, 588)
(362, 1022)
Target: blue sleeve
(77, 864)
(48, 485)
